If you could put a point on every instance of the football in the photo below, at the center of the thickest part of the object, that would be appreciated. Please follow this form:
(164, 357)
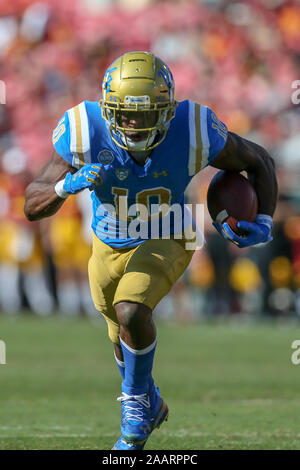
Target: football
(231, 198)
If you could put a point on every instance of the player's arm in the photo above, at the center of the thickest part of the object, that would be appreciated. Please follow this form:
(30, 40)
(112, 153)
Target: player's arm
(240, 154)
(55, 182)
(41, 199)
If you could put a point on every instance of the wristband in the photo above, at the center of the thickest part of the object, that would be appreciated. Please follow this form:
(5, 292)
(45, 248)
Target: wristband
(265, 220)
(59, 189)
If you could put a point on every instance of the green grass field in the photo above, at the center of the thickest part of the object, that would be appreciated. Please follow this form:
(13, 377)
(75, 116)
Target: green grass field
(229, 385)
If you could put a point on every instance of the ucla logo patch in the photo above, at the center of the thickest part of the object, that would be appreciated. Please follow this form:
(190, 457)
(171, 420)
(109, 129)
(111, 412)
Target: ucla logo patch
(121, 173)
(157, 174)
(105, 157)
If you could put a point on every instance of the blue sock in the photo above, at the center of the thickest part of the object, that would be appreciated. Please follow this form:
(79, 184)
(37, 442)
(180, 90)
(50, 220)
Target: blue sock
(121, 366)
(152, 391)
(138, 368)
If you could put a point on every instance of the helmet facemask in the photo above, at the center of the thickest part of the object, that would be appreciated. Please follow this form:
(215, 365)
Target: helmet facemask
(152, 120)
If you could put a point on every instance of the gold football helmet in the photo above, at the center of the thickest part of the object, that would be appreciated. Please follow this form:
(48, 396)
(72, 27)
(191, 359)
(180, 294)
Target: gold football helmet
(138, 86)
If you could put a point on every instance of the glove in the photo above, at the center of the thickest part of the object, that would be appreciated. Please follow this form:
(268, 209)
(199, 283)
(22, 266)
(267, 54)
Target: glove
(258, 231)
(89, 176)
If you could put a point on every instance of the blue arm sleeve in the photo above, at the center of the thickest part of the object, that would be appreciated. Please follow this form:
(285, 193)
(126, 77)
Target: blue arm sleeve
(61, 139)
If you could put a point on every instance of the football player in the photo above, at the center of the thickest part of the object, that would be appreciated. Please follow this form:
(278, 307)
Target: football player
(139, 147)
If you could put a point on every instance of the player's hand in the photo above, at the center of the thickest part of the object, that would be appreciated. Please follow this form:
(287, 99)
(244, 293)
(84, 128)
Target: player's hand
(89, 176)
(257, 232)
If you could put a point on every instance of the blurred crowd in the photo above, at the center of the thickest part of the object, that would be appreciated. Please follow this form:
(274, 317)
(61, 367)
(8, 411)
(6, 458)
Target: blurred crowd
(241, 58)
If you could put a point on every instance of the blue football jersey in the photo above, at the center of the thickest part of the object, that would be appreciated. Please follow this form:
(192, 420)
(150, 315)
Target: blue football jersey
(194, 139)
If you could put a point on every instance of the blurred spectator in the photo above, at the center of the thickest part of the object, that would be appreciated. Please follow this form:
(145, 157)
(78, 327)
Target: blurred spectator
(70, 249)
(22, 259)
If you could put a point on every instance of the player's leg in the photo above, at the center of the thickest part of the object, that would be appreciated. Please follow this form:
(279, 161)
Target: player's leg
(142, 407)
(105, 268)
(103, 280)
(138, 331)
(138, 342)
(150, 273)
(119, 359)
(137, 328)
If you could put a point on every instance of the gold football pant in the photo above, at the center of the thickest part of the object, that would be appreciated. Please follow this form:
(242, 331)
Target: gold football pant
(143, 274)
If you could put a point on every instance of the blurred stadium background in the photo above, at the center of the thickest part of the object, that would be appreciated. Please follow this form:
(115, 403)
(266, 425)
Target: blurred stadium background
(60, 381)
(240, 58)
